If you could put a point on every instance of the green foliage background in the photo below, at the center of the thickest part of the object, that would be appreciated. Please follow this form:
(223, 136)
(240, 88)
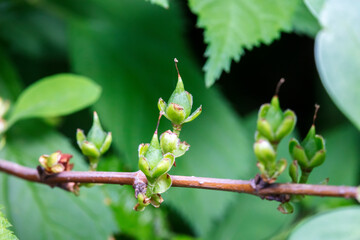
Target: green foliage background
(127, 48)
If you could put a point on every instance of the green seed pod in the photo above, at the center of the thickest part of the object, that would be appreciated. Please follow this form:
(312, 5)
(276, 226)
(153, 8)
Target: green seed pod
(144, 166)
(264, 152)
(274, 124)
(90, 150)
(287, 125)
(169, 142)
(179, 105)
(294, 171)
(163, 166)
(317, 159)
(298, 153)
(96, 143)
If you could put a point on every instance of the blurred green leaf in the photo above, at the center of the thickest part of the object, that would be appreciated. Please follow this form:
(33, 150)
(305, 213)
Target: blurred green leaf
(5, 233)
(315, 6)
(338, 56)
(10, 86)
(134, 66)
(233, 26)
(304, 21)
(162, 3)
(247, 214)
(342, 223)
(40, 212)
(55, 96)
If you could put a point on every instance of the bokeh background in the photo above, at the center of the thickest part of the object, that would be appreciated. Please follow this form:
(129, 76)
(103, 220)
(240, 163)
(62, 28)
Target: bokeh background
(128, 48)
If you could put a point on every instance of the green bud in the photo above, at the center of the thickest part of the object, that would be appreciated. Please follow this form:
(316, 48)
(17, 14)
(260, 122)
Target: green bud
(106, 144)
(286, 208)
(96, 134)
(154, 154)
(287, 125)
(144, 166)
(294, 171)
(311, 152)
(274, 124)
(90, 150)
(96, 143)
(264, 129)
(318, 159)
(142, 149)
(162, 105)
(179, 105)
(264, 152)
(163, 166)
(298, 153)
(169, 142)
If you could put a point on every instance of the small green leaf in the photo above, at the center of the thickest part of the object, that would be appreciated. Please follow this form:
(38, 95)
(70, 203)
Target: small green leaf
(338, 57)
(56, 95)
(342, 223)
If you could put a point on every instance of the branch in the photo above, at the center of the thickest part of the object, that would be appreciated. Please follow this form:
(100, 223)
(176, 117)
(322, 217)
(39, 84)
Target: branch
(128, 178)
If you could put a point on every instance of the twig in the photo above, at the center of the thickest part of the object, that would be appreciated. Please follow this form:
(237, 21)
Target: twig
(128, 178)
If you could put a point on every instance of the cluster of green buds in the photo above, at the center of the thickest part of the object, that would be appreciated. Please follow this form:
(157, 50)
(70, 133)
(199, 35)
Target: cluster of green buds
(95, 144)
(56, 162)
(308, 154)
(157, 158)
(273, 125)
(179, 105)
(4, 107)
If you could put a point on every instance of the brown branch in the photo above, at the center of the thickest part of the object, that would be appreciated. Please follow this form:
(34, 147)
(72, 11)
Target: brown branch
(128, 178)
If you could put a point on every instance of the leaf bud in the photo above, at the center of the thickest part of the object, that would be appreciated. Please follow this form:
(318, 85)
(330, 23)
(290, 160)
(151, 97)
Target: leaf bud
(56, 162)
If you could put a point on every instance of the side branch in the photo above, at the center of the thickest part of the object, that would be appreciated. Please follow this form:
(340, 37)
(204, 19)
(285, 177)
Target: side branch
(128, 178)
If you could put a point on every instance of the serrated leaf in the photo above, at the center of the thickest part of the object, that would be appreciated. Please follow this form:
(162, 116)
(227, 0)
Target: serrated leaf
(304, 21)
(40, 212)
(232, 26)
(342, 223)
(121, 66)
(338, 57)
(5, 233)
(56, 95)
